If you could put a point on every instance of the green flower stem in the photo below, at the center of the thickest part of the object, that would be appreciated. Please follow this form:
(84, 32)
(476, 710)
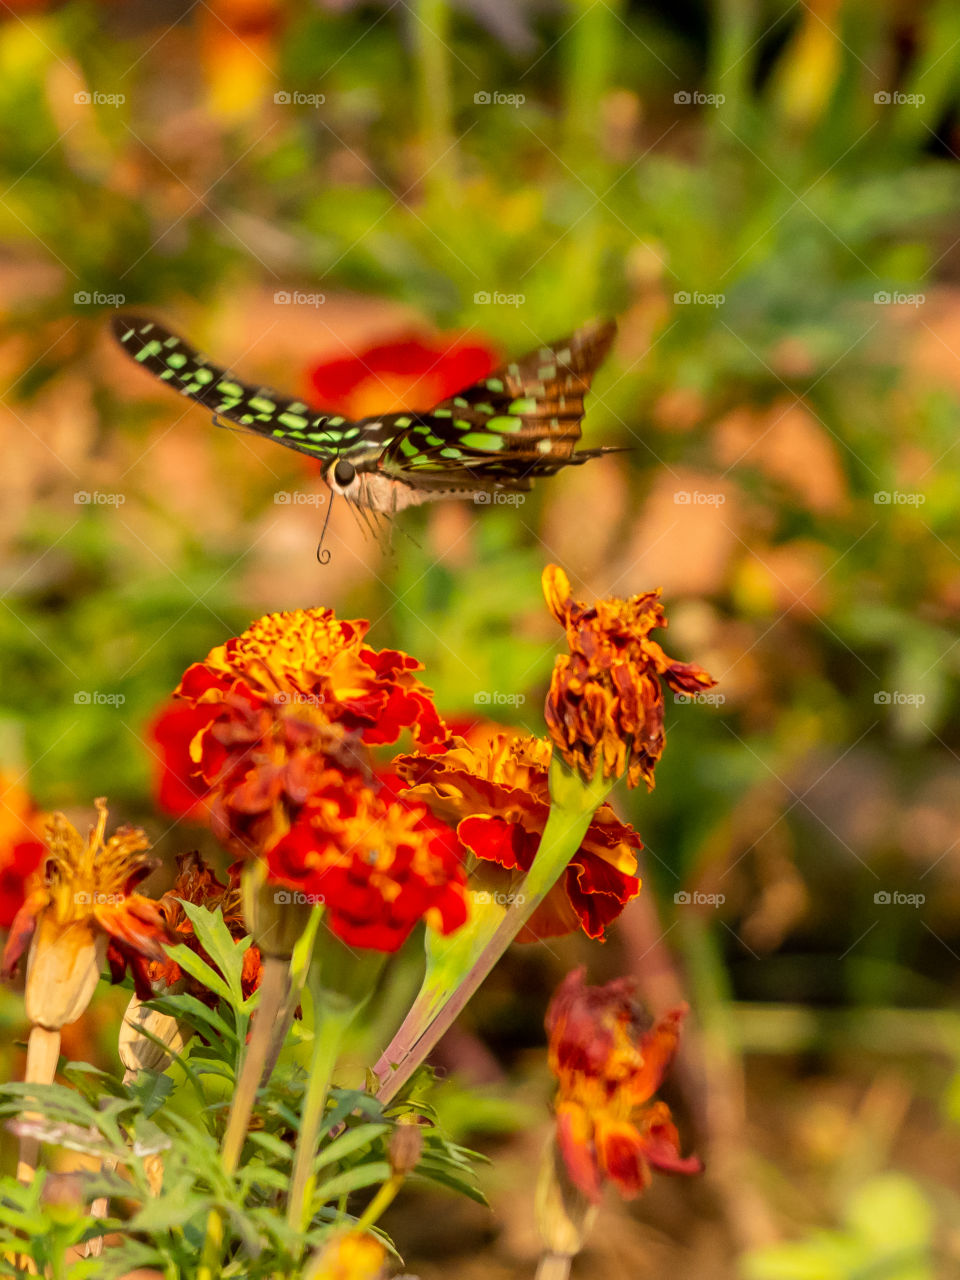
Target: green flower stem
(273, 992)
(456, 967)
(299, 968)
(332, 1015)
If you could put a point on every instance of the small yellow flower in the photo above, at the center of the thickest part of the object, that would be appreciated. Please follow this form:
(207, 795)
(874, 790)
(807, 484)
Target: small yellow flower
(352, 1256)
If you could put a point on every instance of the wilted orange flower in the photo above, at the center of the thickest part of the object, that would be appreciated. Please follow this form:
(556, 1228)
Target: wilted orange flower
(81, 910)
(290, 675)
(608, 1071)
(21, 847)
(497, 794)
(352, 1256)
(605, 704)
(196, 883)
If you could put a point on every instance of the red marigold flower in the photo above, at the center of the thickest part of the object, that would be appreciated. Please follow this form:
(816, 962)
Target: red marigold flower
(607, 1071)
(82, 909)
(605, 704)
(197, 883)
(497, 794)
(306, 672)
(21, 847)
(377, 862)
(410, 373)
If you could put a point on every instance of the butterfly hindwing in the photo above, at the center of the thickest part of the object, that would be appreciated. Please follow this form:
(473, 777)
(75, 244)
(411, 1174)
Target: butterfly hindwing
(521, 422)
(259, 409)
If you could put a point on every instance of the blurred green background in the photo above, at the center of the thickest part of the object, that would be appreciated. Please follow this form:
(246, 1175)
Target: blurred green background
(767, 195)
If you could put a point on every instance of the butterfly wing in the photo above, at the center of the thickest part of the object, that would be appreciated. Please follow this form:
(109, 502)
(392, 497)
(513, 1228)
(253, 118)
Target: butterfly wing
(259, 409)
(521, 422)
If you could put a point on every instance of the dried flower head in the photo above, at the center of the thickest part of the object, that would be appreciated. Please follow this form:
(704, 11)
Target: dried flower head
(608, 1071)
(604, 709)
(496, 793)
(81, 910)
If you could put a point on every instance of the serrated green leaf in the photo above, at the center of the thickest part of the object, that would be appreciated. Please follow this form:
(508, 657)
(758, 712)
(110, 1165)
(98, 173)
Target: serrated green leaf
(207, 976)
(219, 944)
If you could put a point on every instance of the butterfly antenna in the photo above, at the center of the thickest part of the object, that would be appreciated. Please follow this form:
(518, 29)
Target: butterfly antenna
(323, 557)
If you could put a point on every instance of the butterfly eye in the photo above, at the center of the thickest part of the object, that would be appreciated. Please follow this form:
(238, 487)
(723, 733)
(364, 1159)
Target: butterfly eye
(344, 473)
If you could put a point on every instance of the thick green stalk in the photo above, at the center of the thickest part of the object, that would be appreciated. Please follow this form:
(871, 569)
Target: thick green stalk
(457, 967)
(332, 1015)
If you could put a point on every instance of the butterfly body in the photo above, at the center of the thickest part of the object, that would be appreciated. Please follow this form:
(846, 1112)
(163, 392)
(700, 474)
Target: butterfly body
(499, 434)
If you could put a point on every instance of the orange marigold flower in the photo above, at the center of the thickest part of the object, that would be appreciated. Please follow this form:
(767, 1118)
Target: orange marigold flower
(608, 1071)
(21, 847)
(377, 862)
(81, 910)
(351, 1256)
(306, 669)
(197, 883)
(497, 794)
(605, 704)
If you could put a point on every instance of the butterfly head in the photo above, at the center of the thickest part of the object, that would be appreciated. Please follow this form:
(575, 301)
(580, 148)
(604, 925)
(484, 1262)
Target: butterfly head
(343, 477)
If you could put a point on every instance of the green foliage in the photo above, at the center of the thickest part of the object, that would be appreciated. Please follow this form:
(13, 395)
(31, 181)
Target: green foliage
(176, 1118)
(888, 1232)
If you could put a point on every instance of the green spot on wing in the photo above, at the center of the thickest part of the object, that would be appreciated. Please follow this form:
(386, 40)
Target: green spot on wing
(292, 420)
(176, 360)
(230, 389)
(262, 404)
(149, 349)
(526, 404)
(203, 376)
(482, 441)
(508, 425)
(494, 384)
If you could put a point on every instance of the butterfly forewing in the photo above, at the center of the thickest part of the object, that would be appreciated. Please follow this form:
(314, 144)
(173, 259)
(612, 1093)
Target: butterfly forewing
(259, 409)
(520, 422)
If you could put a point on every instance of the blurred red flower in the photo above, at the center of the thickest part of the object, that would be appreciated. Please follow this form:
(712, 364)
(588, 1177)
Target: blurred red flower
(21, 846)
(607, 1072)
(409, 373)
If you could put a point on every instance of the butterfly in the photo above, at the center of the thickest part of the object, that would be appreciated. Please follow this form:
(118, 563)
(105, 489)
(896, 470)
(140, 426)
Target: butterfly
(497, 435)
